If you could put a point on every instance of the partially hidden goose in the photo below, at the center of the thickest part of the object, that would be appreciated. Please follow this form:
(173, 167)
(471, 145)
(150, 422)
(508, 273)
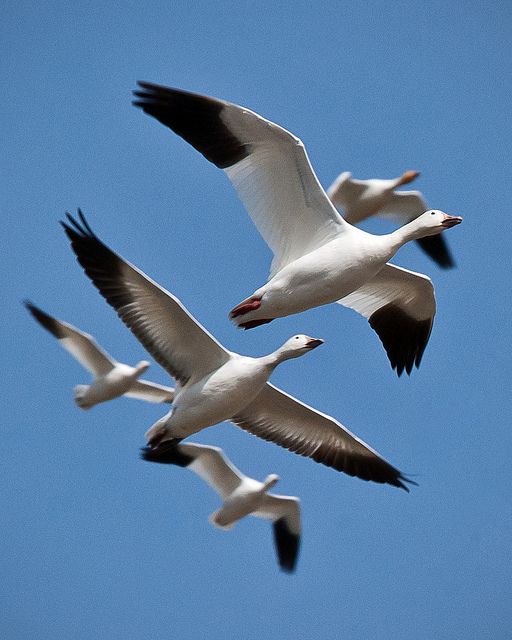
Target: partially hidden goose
(215, 384)
(111, 378)
(242, 495)
(318, 257)
(360, 199)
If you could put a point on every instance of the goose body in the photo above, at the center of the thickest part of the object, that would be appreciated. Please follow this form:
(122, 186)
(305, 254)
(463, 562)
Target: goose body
(242, 495)
(215, 384)
(111, 378)
(361, 199)
(216, 397)
(319, 257)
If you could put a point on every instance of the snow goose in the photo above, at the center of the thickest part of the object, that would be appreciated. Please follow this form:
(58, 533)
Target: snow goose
(215, 384)
(111, 378)
(360, 199)
(318, 257)
(242, 495)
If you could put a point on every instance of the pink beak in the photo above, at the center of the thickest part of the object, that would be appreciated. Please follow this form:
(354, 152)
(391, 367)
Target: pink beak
(451, 221)
(314, 342)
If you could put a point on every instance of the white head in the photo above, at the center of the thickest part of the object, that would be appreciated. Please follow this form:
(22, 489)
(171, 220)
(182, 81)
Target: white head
(298, 345)
(141, 366)
(271, 480)
(434, 221)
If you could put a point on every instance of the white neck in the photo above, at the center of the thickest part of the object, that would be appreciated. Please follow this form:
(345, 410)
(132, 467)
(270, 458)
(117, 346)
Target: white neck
(410, 231)
(278, 356)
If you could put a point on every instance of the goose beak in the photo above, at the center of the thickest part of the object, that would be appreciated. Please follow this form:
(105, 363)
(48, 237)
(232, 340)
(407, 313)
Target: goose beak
(313, 343)
(409, 176)
(450, 221)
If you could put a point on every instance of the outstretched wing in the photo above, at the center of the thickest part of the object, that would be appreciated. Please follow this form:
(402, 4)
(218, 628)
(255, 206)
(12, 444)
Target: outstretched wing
(400, 306)
(80, 345)
(157, 318)
(276, 416)
(267, 165)
(284, 511)
(209, 463)
(150, 392)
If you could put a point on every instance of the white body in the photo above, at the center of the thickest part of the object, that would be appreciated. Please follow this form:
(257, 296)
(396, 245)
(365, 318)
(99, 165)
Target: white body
(217, 397)
(112, 379)
(323, 276)
(360, 199)
(117, 382)
(247, 498)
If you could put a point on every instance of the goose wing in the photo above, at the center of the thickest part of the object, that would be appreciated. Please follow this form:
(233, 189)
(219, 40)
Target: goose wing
(150, 392)
(344, 191)
(80, 345)
(400, 306)
(284, 511)
(276, 416)
(209, 463)
(157, 318)
(267, 165)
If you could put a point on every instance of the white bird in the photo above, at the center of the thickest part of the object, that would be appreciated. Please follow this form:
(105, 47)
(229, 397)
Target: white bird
(360, 199)
(215, 384)
(242, 495)
(318, 257)
(111, 378)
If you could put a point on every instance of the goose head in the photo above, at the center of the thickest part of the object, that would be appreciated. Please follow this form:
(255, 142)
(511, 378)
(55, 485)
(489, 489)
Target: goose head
(297, 346)
(433, 222)
(271, 480)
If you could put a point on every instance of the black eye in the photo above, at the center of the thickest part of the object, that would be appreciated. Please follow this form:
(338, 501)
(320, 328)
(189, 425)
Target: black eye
(296, 337)
(432, 213)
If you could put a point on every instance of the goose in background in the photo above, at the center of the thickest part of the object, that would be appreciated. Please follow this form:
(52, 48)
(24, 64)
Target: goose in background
(318, 257)
(111, 378)
(215, 384)
(360, 199)
(242, 495)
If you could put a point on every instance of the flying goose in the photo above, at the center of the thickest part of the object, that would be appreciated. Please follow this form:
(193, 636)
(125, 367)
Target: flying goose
(215, 384)
(111, 378)
(242, 495)
(360, 199)
(318, 257)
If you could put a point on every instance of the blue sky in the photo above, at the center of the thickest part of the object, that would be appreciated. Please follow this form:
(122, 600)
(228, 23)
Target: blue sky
(97, 543)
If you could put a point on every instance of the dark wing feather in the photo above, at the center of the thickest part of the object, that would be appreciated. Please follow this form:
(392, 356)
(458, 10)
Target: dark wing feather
(157, 318)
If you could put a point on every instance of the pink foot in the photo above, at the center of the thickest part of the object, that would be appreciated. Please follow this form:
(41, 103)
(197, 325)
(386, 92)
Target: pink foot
(244, 307)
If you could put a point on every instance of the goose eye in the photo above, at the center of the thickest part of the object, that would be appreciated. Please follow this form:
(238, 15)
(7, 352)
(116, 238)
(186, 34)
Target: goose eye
(432, 213)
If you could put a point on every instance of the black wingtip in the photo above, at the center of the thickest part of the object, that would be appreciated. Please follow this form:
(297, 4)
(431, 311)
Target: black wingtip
(437, 249)
(196, 118)
(404, 338)
(45, 320)
(287, 545)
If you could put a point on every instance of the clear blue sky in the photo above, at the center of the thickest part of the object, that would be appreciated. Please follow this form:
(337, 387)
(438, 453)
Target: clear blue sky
(97, 543)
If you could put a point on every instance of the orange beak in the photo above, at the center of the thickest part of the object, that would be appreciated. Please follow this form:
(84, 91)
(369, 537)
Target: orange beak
(409, 176)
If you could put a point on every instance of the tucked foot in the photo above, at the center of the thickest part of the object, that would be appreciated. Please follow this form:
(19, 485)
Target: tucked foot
(166, 453)
(156, 435)
(251, 304)
(250, 324)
